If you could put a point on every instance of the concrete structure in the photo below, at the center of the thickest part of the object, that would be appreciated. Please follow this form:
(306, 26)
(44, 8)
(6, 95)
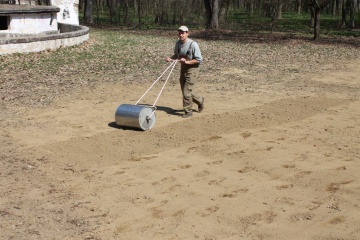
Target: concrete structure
(68, 35)
(69, 11)
(25, 28)
(21, 19)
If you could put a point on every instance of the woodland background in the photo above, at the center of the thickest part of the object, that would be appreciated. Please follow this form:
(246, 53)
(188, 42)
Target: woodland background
(302, 16)
(338, 17)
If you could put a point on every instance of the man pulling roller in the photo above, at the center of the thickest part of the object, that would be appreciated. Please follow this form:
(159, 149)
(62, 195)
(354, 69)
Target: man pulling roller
(188, 53)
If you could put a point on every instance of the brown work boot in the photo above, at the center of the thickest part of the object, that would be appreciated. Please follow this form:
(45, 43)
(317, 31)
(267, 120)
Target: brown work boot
(187, 115)
(201, 106)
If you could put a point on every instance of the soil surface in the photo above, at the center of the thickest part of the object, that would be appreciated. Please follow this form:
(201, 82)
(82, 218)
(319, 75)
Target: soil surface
(274, 155)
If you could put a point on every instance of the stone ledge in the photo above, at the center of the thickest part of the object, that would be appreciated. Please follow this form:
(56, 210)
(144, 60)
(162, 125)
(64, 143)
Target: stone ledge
(66, 31)
(36, 43)
(6, 9)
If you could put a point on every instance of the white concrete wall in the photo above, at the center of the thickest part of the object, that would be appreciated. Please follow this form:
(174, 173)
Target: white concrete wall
(69, 11)
(32, 23)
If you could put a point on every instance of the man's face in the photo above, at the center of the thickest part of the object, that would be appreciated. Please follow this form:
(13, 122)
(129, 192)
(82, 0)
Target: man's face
(183, 35)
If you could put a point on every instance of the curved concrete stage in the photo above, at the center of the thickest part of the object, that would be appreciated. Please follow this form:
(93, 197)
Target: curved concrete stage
(68, 35)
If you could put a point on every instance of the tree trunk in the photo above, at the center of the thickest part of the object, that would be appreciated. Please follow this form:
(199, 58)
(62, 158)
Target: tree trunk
(316, 7)
(312, 21)
(215, 15)
(267, 10)
(139, 7)
(227, 8)
(250, 8)
(126, 12)
(334, 4)
(352, 9)
(208, 9)
(88, 17)
(97, 3)
(212, 13)
(174, 12)
(299, 6)
(112, 9)
(343, 14)
(279, 11)
(316, 23)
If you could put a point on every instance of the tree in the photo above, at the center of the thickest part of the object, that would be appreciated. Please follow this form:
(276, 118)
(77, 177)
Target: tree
(126, 5)
(250, 7)
(139, 10)
(212, 13)
(88, 17)
(347, 5)
(298, 7)
(317, 6)
(352, 10)
(112, 9)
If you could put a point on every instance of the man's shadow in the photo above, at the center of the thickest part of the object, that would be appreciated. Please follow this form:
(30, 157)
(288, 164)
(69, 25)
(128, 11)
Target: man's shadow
(167, 110)
(170, 111)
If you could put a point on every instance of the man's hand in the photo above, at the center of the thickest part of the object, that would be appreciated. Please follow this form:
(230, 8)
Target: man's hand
(182, 60)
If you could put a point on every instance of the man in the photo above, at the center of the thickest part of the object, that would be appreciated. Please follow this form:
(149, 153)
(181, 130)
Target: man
(188, 53)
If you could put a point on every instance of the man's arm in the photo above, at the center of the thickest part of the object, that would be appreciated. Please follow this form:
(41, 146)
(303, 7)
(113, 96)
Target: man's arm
(170, 59)
(189, 62)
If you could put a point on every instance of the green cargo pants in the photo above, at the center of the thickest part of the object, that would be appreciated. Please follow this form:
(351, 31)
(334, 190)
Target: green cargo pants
(188, 76)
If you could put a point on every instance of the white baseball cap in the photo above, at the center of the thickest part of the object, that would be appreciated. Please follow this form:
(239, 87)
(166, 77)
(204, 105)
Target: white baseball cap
(183, 28)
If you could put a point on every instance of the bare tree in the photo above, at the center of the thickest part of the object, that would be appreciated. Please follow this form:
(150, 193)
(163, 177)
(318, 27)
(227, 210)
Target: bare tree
(125, 5)
(112, 9)
(343, 14)
(351, 7)
(317, 6)
(161, 10)
(212, 13)
(139, 10)
(347, 6)
(250, 7)
(88, 17)
(298, 7)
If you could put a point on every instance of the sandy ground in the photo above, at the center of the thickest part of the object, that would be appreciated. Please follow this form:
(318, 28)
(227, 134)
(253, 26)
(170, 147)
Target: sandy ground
(258, 163)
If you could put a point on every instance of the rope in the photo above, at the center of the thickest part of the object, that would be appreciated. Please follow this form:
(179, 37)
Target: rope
(172, 64)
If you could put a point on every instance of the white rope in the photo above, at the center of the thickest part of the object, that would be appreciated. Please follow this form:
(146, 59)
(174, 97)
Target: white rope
(154, 108)
(172, 64)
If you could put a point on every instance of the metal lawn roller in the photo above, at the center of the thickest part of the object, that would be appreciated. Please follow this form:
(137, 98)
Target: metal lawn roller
(135, 116)
(140, 116)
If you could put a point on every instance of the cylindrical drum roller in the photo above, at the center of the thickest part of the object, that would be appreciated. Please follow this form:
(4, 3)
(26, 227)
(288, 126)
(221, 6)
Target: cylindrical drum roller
(135, 116)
